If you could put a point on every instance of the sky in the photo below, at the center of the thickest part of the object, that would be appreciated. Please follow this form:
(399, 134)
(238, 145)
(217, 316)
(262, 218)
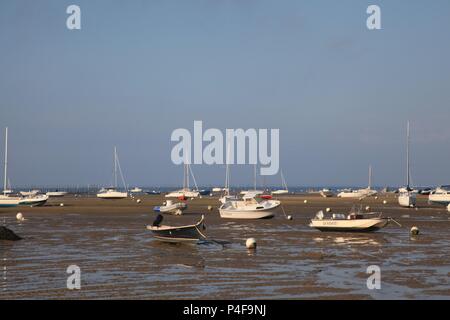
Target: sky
(137, 70)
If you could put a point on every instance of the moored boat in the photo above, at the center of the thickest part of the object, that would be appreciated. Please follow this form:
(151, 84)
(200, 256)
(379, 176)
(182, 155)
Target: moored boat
(354, 222)
(34, 200)
(171, 207)
(441, 195)
(249, 208)
(113, 193)
(189, 233)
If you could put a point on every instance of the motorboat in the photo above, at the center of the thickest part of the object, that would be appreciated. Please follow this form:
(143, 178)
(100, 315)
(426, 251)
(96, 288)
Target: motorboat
(6, 200)
(407, 197)
(354, 222)
(249, 207)
(136, 190)
(112, 193)
(56, 194)
(185, 192)
(29, 193)
(188, 233)
(153, 192)
(169, 206)
(326, 193)
(441, 195)
(215, 189)
(34, 200)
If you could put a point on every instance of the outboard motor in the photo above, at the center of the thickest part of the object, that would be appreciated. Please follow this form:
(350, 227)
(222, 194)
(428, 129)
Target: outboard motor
(158, 220)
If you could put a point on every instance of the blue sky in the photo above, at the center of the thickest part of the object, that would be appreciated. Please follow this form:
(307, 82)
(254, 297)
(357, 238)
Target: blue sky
(137, 70)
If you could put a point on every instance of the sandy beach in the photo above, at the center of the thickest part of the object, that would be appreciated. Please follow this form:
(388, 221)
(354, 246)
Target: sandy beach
(119, 258)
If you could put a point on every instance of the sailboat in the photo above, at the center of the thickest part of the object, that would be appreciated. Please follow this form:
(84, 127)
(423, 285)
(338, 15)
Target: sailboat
(112, 192)
(360, 193)
(254, 191)
(186, 192)
(283, 183)
(407, 198)
(5, 199)
(226, 195)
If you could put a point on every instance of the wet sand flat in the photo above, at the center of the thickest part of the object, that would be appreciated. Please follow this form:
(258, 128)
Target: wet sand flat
(119, 259)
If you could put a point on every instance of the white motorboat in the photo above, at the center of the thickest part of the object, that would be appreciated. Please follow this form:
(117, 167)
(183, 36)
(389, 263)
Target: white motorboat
(285, 189)
(34, 200)
(407, 197)
(29, 193)
(170, 207)
(216, 189)
(6, 200)
(56, 194)
(441, 195)
(185, 192)
(136, 190)
(249, 208)
(354, 222)
(112, 193)
(326, 193)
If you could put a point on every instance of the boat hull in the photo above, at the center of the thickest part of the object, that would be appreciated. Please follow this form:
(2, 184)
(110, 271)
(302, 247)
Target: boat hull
(407, 200)
(236, 214)
(36, 201)
(443, 199)
(190, 234)
(357, 225)
(112, 195)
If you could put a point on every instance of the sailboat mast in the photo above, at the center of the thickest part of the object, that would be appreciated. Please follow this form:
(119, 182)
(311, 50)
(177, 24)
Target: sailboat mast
(254, 178)
(407, 157)
(370, 177)
(115, 167)
(6, 161)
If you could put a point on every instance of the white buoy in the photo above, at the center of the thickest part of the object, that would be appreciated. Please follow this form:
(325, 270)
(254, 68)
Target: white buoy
(376, 198)
(306, 201)
(210, 208)
(61, 204)
(289, 217)
(20, 217)
(384, 201)
(250, 243)
(414, 231)
(138, 200)
(367, 208)
(328, 209)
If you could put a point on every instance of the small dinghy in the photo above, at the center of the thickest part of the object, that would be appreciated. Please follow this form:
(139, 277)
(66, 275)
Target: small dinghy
(190, 233)
(172, 208)
(354, 222)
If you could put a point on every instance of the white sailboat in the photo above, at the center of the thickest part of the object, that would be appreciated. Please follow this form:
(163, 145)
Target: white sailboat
(186, 192)
(284, 185)
(360, 193)
(112, 192)
(226, 190)
(407, 198)
(254, 191)
(5, 199)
